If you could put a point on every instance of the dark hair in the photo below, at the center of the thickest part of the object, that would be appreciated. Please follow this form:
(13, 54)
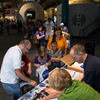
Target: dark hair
(49, 18)
(53, 42)
(39, 27)
(54, 36)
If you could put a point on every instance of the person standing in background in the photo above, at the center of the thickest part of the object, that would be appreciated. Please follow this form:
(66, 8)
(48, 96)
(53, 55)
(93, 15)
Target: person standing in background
(49, 27)
(63, 28)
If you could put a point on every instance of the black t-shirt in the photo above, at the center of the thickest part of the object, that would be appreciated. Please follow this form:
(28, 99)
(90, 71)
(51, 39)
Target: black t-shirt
(92, 72)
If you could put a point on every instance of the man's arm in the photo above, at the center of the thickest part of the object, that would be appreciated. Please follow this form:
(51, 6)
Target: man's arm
(81, 78)
(24, 78)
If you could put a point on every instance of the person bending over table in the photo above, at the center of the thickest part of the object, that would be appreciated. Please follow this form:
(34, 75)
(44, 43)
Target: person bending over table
(91, 66)
(11, 69)
(61, 80)
(61, 41)
(55, 54)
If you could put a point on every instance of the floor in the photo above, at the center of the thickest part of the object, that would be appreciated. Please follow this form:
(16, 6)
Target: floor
(6, 41)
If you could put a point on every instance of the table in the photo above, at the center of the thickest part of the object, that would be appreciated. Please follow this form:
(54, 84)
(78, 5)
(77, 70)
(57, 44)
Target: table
(33, 93)
(74, 70)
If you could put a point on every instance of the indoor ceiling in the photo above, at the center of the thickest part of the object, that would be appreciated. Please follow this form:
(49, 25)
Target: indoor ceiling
(45, 3)
(50, 3)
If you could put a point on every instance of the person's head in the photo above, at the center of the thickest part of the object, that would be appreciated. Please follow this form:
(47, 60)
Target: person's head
(40, 22)
(49, 19)
(40, 28)
(43, 24)
(25, 46)
(57, 33)
(54, 45)
(59, 79)
(77, 52)
(61, 25)
(67, 36)
(42, 52)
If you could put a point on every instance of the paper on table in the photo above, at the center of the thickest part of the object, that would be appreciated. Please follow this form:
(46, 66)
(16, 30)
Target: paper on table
(24, 83)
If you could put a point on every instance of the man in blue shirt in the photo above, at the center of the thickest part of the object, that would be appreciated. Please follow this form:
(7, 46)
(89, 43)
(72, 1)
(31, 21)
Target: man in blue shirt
(91, 66)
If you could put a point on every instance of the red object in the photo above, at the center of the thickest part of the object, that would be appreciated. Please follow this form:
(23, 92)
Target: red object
(26, 61)
(27, 23)
(7, 11)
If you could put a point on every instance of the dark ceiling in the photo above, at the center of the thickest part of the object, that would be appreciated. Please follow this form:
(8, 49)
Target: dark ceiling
(5, 0)
(45, 3)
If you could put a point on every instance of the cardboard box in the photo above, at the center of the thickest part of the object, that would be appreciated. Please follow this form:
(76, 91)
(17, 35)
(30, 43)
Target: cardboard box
(69, 61)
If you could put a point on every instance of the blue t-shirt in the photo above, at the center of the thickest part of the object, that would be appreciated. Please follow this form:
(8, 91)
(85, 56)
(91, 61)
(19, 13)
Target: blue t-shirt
(44, 62)
(92, 71)
(42, 40)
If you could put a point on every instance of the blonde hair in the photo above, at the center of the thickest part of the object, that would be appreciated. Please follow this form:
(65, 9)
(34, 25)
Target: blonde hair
(78, 48)
(67, 36)
(59, 79)
(42, 49)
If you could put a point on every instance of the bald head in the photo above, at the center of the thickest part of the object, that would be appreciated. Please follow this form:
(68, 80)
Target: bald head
(25, 42)
(78, 48)
(78, 53)
(25, 46)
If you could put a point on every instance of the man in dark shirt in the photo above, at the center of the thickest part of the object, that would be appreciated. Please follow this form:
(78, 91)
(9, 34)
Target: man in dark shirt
(91, 66)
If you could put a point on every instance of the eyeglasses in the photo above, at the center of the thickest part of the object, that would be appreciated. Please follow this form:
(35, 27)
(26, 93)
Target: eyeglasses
(27, 48)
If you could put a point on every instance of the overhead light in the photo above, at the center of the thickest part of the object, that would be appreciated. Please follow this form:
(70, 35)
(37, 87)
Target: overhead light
(55, 9)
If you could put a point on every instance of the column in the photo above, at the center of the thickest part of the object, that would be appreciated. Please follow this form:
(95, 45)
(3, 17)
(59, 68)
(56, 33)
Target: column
(65, 10)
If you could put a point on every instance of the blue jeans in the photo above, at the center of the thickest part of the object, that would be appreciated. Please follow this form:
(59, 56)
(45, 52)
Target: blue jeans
(13, 90)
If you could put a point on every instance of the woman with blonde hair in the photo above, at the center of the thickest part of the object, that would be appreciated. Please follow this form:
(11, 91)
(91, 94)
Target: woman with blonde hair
(42, 57)
(61, 80)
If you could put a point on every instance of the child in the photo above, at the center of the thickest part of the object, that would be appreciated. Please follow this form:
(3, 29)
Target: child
(61, 80)
(67, 37)
(42, 57)
(26, 69)
(55, 54)
(26, 66)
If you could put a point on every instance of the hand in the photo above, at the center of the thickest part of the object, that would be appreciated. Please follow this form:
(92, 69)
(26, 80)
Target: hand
(29, 71)
(40, 99)
(56, 94)
(38, 65)
(53, 95)
(52, 59)
(47, 64)
(43, 35)
(33, 83)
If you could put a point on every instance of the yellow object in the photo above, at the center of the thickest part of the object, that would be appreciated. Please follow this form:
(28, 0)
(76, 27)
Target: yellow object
(61, 43)
(3, 18)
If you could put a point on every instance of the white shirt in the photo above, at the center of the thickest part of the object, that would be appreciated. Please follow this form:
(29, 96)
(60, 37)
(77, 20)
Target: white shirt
(11, 61)
(49, 26)
(65, 29)
(68, 43)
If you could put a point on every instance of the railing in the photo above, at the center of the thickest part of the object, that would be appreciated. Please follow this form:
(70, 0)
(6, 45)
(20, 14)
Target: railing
(81, 31)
